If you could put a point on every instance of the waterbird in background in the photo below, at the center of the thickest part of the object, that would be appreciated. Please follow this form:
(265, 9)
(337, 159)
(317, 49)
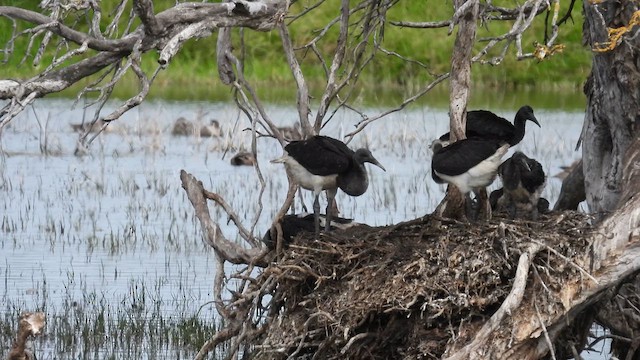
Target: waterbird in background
(292, 225)
(469, 164)
(30, 324)
(523, 180)
(324, 163)
(92, 127)
(243, 158)
(483, 124)
(184, 127)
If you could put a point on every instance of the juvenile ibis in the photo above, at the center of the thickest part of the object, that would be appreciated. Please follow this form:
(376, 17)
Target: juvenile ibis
(483, 124)
(497, 203)
(523, 180)
(469, 164)
(323, 163)
(292, 225)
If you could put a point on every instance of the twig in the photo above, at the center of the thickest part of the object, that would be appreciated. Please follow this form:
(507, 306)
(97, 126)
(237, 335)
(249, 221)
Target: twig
(353, 339)
(544, 330)
(573, 264)
(510, 303)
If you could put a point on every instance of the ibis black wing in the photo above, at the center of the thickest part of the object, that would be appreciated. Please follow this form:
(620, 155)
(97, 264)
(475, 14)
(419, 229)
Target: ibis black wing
(321, 155)
(462, 155)
(487, 125)
(532, 180)
(510, 173)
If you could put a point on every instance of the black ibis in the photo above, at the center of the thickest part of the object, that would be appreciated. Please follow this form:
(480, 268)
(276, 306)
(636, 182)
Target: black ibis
(243, 158)
(469, 164)
(323, 163)
(292, 225)
(523, 180)
(483, 124)
(30, 324)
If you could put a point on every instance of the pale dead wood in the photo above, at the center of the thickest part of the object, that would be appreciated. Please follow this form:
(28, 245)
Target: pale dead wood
(508, 306)
(228, 250)
(165, 31)
(460, 81)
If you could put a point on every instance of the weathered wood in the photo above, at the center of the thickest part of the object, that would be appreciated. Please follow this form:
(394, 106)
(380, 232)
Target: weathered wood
(179, 23)
(226, 249)
(616, 258)
(467, 11)
(613, 102)
(466, 14)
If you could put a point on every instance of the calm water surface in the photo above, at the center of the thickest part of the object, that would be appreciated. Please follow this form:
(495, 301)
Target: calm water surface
(115, 229)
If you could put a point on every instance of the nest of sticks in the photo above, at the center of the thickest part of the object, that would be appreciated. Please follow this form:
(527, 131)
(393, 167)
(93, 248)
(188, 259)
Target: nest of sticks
(403, 291)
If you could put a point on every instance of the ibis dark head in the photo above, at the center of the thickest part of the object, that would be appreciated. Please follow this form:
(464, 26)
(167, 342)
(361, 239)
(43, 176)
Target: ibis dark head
(354, 181)
(524, 180)
(525, 113)
(364, 156)
(522, 171)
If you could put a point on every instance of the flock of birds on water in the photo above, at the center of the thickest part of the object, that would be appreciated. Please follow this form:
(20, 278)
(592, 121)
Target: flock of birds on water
(321, 163)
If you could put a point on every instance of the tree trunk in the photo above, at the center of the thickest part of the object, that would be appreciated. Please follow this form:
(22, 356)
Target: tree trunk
(613, 100)
(466, 13)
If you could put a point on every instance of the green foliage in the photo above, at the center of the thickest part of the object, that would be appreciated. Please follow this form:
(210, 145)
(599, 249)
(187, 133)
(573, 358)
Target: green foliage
(193, 74)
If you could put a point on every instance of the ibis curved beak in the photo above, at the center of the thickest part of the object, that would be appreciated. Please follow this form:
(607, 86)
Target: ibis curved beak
(535, 121)
(377, 163)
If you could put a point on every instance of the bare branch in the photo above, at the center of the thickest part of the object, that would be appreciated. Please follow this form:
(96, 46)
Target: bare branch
(303, 90)
(461, 66)
(422, 25)
(225, 248)
(124, 44)
(367, 120)
(144, 9)
(508, 306)
(332, 88)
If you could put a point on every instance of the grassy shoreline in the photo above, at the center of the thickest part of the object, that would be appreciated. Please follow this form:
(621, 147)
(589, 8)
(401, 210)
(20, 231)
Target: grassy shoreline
(192, 73)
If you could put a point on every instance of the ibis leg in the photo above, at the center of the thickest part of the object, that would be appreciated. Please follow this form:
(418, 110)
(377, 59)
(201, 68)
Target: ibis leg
(512, 209)
(316, 214)
(331, 198)
(484, 207)
(470, 209)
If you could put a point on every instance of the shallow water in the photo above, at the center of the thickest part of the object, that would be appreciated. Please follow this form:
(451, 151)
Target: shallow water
(113, 229)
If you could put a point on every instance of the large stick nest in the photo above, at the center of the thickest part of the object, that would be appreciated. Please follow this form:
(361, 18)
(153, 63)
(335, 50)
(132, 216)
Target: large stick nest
(405, 291)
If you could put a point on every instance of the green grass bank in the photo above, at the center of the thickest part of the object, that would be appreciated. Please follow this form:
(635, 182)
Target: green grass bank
(192, 74)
